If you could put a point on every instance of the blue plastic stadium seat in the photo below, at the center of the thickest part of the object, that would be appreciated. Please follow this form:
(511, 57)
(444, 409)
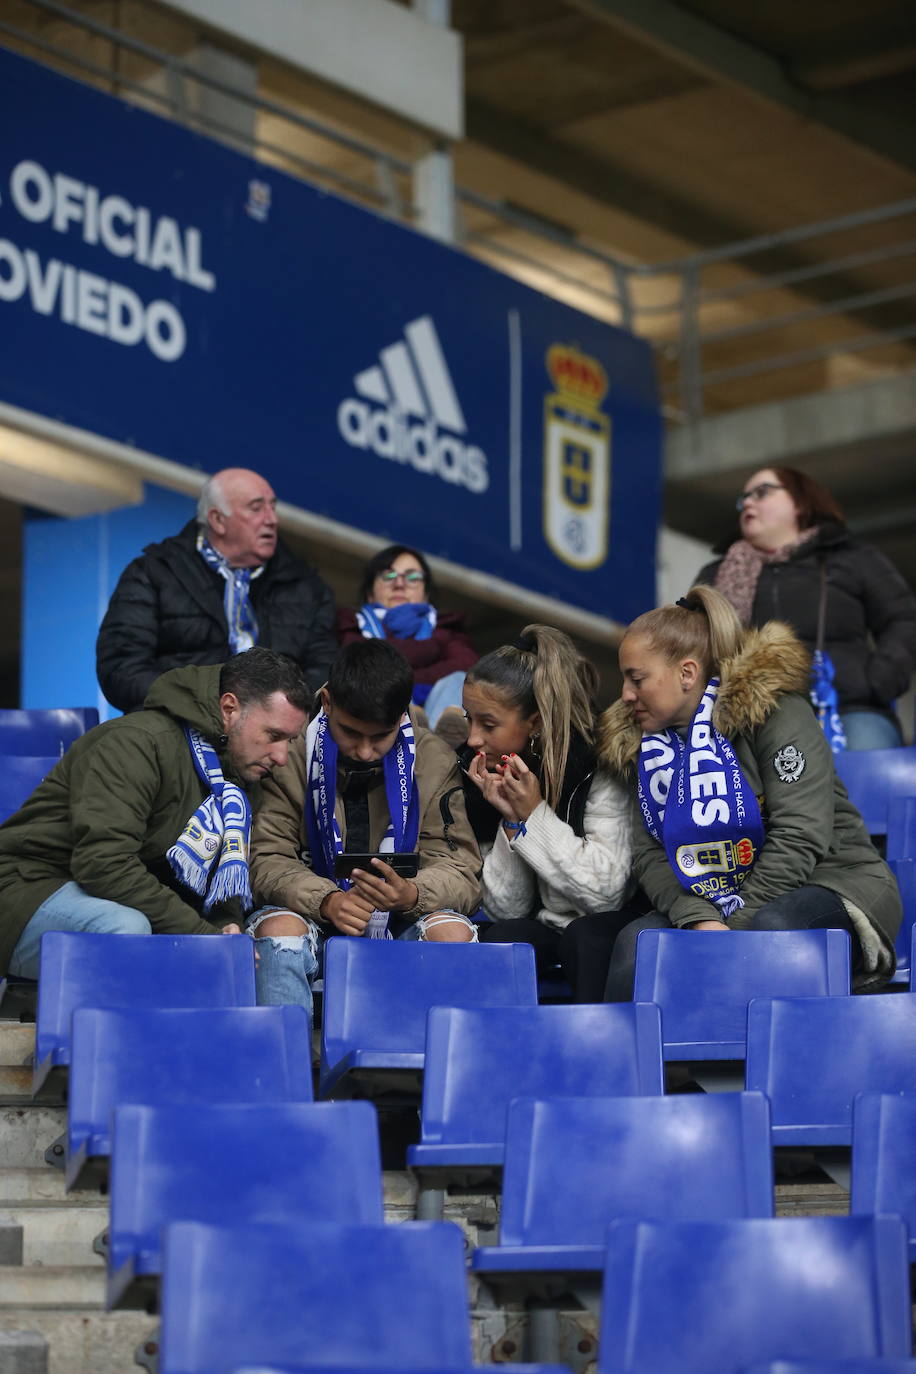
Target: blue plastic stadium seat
(904, 870)
(703, 983)
(377, 994)
(873, 778)
(575, 1164)
(244, 1054)
(479, 1058)
(414, 1369)
(864, 1366)
(901, 827)
(132, 971)
(697, 1297)
(48, 732)
(254, 1162)
(20, 774)
(811, 1055)
(393, 1297)
(884, 1157)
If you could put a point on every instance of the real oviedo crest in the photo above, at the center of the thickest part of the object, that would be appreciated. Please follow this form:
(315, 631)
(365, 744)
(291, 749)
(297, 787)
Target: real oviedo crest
(577, 459)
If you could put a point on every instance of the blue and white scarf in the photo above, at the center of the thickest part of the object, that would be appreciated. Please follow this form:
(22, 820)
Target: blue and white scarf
(217, 833)
(321, 826)
(696, 801)
(824, 698)
(411, 620)
(240, 616)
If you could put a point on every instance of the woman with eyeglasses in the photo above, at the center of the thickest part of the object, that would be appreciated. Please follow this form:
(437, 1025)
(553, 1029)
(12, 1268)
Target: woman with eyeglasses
(796, 561)
(397, 596)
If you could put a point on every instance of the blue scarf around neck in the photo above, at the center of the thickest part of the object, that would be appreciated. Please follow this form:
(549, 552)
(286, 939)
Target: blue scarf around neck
(321, 826)
(240, 616)
(697, 803)
(410, 620)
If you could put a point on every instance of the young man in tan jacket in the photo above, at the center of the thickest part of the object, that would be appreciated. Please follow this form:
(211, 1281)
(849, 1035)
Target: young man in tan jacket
(360, 783)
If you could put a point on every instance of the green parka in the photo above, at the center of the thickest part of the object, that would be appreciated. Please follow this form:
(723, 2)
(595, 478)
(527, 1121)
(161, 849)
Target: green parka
(107, 813)
(814, 834)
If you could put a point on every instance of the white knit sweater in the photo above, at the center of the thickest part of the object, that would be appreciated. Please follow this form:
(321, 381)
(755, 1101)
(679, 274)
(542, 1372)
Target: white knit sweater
(554, 870)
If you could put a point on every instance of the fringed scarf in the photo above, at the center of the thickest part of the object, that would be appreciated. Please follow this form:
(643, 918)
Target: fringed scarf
(217, 834)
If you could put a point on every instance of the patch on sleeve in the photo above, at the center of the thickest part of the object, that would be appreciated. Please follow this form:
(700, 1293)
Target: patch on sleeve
(789, 764)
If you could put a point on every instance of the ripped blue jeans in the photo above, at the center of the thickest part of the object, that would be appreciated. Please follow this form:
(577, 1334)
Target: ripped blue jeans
(288, 964)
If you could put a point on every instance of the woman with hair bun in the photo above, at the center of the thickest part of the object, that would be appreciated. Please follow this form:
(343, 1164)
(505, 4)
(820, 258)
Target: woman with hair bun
(560, 858)
(796, 561)
(740, 820)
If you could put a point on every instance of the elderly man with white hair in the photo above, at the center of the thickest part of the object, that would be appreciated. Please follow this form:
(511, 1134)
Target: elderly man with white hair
(221, 585)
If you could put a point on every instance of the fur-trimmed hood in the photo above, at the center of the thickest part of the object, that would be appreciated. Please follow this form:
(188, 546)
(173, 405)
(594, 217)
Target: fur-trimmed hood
(771, 662)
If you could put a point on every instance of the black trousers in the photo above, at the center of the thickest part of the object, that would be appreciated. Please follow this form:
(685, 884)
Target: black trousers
(582, 949)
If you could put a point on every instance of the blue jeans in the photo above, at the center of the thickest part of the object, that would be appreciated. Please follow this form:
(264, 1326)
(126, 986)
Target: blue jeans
(70, 908)
(870, 730)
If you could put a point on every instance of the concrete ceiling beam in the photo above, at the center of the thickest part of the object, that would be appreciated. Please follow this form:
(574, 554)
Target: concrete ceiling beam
(705, 48)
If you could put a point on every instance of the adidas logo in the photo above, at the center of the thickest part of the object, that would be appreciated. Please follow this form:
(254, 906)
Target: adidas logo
(413, 387)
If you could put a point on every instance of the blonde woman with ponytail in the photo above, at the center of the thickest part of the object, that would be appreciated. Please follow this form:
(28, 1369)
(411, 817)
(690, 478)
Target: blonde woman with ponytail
(560, 859)
(740, 822)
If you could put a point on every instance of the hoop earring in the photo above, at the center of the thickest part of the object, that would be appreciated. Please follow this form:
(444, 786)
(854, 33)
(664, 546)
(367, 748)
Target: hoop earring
(534, 744)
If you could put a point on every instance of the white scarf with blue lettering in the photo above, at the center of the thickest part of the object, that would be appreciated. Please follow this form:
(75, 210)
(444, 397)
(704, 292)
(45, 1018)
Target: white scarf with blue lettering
(217, 833)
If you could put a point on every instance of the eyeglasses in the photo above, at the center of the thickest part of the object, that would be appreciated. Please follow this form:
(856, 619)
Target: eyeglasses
(757, 493)
(411, 578)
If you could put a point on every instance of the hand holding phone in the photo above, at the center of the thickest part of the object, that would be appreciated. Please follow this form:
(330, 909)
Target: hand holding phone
(405, 865)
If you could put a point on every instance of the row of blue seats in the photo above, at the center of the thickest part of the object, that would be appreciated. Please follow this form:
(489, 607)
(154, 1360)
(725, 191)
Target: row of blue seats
(571, 1166)
(809, 1055)
(676, 1297)
(378, 993)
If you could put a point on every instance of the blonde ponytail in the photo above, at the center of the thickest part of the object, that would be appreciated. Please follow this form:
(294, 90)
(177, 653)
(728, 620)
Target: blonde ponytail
(702, 625)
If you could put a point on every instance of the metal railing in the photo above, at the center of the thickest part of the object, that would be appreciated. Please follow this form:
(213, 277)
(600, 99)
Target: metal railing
(678, 305)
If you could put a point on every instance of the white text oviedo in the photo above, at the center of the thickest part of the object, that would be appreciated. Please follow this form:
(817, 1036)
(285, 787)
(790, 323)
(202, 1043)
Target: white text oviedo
(117, 227)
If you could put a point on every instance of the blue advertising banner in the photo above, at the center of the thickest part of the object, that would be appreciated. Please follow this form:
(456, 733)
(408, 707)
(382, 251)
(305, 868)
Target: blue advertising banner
(161, 290)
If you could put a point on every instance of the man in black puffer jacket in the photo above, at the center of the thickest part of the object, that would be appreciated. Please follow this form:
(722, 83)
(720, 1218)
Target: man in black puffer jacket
(220, 586)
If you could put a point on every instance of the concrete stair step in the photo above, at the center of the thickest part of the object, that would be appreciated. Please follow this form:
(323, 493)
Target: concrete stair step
(17, 1043)
(15, 1086)
(26, 1131)
(58, 1235)
(39, 1183)
(84, 1342)
(51, 1286)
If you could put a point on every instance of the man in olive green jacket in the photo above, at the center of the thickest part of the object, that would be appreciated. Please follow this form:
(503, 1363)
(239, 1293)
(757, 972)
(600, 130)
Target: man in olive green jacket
(94, 848)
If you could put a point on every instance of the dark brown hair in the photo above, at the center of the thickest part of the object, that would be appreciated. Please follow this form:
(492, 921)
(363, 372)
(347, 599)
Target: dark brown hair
(813, 503)
(383, 560)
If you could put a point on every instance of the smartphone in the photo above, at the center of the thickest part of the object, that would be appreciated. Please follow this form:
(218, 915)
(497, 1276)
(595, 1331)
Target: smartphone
(405, 865)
